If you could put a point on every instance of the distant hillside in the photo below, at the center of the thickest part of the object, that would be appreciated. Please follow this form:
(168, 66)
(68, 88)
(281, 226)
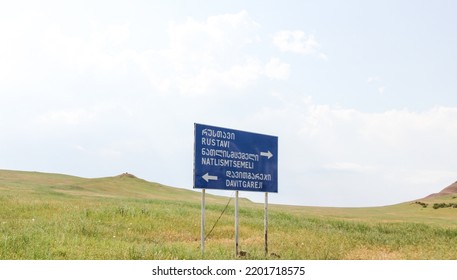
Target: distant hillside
(123, 186)
(449, 190)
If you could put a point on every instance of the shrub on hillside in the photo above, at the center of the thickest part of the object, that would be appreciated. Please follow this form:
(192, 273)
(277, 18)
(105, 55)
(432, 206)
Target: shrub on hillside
(423, 204)
(444, 205)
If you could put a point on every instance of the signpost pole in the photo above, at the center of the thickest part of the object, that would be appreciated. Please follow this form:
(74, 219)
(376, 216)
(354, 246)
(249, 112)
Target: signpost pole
(229, 159)
(203, 223)
(236, 224)
(265, 223)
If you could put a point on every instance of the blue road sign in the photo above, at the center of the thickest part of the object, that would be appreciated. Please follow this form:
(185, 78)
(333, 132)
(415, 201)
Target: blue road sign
(228, 159)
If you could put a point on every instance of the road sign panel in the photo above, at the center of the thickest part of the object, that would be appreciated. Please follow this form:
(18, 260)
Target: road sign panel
(229, 159)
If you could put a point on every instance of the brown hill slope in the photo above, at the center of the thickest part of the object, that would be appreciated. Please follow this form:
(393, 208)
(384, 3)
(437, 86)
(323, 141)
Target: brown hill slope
(451, 189)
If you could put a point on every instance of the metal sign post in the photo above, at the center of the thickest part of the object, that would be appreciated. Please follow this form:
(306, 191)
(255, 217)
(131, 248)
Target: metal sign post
(236, 225)
(234, 160)
(265, 224)
(202, 230)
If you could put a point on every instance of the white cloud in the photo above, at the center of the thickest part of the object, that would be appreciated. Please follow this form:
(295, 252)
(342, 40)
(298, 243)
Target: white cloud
(277, 69)
(201, 57)
(117, 34)
(65, 117)
(111, 154)
(84, 116)
(349, 167)
(379, 158)
(430, 177)
(242, 75)
(80, 148)
(205, 55)
(38, 50)
(378, 82)
(221, 34)
(238, 76)
(373, 79)
(98, 53)
(297, 42)
(18, 33)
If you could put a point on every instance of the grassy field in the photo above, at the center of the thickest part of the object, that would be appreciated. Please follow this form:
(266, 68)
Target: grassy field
(52, 216)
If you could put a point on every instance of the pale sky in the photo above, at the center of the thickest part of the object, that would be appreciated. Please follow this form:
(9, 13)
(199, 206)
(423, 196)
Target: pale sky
(362, 94)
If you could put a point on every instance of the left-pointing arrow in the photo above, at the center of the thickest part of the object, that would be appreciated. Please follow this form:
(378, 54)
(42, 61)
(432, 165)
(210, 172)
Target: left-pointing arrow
(208, 177)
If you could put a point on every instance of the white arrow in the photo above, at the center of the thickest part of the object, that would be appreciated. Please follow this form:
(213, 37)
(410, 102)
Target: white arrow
(208, 177)
(267, 154)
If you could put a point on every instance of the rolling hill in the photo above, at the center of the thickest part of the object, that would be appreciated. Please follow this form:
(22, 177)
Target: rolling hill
(123, 186)
(449, 190)
(55, 216)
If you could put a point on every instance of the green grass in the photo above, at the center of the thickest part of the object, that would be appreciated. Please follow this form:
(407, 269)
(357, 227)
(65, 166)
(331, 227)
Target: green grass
(52, 216)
